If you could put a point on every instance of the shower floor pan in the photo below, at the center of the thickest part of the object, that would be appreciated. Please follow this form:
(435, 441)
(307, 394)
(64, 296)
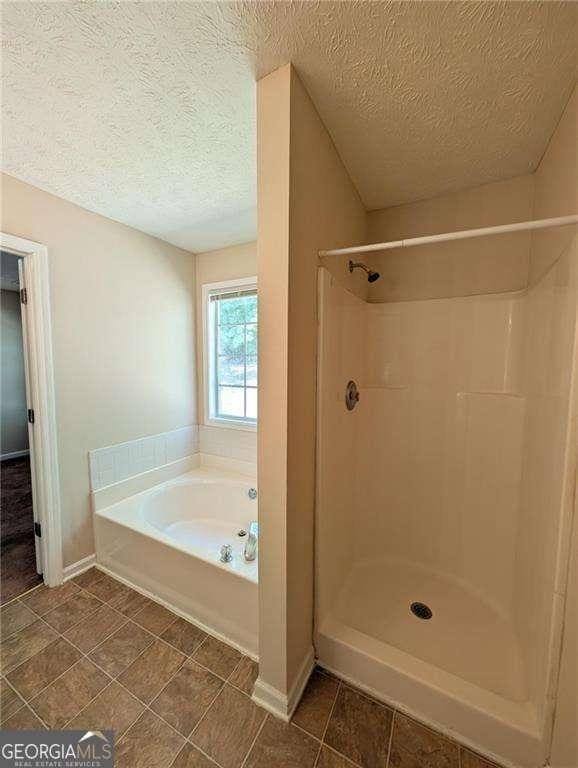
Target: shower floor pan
(460, 670)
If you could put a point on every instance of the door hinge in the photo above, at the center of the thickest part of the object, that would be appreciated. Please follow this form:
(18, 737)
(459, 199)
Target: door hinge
(30, 416)
(23, 296)
(38, 530)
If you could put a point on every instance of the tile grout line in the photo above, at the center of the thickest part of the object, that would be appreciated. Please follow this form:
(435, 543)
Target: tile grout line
(318, 755)
(390, 738)
(215, 697)
(112, 679)
(35, 613)
(85, 656)
(254, 741)
(18, 597)
(23, 701)
(32, 698)
(29, 658)
(188, 744)
(60, 635)
(337, 692)
(322, 739)
(347, 760)
(303, 730)
(187, 657)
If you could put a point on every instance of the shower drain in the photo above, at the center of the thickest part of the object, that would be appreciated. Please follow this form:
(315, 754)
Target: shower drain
(421, 610)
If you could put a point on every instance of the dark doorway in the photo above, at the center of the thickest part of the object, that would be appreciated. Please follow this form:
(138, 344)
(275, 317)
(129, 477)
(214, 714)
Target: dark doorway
(17, 547)
(18, 558)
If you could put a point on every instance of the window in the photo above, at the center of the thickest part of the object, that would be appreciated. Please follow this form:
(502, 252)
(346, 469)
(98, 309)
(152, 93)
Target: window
(231, 351)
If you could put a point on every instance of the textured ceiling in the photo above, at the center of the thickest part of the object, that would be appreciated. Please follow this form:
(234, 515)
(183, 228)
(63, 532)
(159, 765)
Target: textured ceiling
(145, 112)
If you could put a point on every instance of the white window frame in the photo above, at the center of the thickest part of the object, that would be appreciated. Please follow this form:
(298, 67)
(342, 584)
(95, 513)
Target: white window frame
(223, 286)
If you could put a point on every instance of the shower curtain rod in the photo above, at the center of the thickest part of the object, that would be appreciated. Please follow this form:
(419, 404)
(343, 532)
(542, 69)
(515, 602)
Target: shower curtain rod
(464, 234)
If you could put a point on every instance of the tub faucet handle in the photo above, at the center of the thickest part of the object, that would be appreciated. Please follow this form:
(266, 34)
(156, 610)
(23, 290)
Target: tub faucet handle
(250, 552)
(226, 553)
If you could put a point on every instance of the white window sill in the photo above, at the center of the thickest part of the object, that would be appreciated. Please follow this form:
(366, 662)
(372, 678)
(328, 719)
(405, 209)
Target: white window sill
(231, 424)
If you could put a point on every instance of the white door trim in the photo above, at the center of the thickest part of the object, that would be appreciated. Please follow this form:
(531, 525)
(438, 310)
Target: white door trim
(46, 483)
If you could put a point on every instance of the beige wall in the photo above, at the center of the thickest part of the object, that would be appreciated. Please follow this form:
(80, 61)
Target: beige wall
(273, 247)
(212, 267)
(123, 335)
(13, 420)
(306, 202)
(460, 268)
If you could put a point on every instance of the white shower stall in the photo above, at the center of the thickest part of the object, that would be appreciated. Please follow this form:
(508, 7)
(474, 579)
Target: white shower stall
(445, 487)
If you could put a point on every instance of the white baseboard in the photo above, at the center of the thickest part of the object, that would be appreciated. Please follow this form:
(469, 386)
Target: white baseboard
(14, 455)
(70, 571)
(284, 705)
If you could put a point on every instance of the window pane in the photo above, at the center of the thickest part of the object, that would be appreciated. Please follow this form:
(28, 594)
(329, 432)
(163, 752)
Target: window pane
(231, 370)
(231, 340)
(251, 309)
(251, 371)
(251, 339)
(231, 311)
(231, 402)
(251, 403)
(233, 359)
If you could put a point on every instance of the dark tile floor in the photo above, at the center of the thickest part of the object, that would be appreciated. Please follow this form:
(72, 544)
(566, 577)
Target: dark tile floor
(17, 553)
(94, 654)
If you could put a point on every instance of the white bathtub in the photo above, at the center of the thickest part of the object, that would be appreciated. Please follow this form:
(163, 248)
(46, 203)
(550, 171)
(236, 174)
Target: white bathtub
(166, 541)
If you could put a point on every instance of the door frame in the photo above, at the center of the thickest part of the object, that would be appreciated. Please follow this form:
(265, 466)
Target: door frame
(37, 337)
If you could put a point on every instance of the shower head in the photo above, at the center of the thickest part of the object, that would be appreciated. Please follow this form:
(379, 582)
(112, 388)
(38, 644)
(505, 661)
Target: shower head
(371, 275)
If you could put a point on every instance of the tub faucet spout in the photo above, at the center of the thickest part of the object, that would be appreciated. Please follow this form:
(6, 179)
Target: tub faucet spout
(250, 552)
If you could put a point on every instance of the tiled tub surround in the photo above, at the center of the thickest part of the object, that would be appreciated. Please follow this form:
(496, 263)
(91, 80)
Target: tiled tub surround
(238, 444)
(123, 461)
(167, 539)
(119, 462)
(95, 654)
(457, 457)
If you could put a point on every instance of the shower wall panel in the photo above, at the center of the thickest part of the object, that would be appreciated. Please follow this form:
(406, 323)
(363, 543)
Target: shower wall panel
(547, 381)
(441, 426)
